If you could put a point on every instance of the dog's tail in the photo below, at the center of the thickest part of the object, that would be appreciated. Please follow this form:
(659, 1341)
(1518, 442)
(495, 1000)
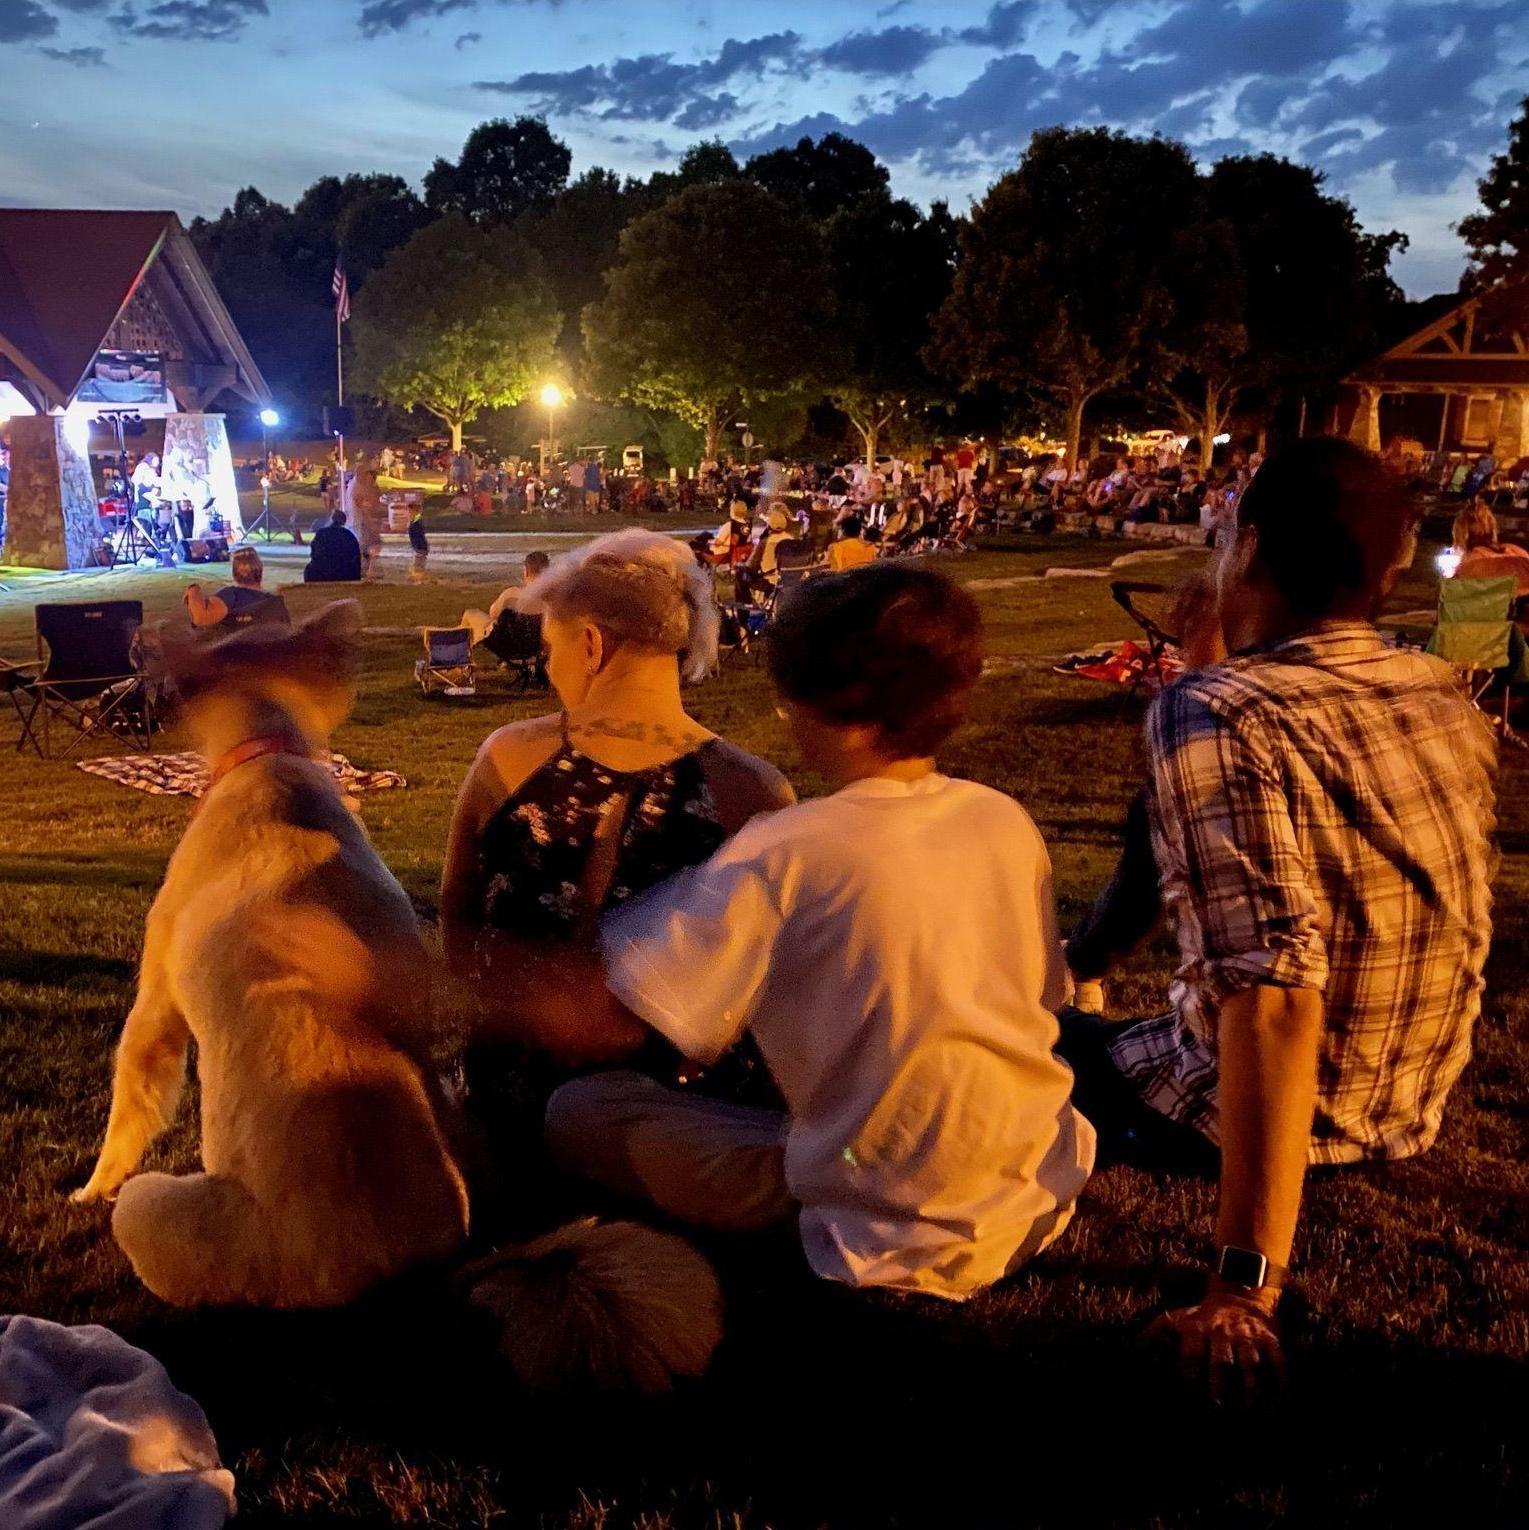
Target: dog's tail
(603, 1306)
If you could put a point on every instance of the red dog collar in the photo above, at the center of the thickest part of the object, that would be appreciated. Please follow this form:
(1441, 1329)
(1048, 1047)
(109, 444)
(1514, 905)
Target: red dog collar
(253, 749)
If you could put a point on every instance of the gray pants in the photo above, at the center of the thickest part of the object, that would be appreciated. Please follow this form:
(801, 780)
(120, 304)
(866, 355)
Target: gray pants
(702, 1161)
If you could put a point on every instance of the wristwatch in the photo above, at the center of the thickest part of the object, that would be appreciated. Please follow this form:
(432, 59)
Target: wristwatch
(1247, 1268)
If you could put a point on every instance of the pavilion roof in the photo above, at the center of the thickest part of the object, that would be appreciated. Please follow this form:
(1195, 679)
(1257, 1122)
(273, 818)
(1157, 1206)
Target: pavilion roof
(1480, 343)
(67, 274)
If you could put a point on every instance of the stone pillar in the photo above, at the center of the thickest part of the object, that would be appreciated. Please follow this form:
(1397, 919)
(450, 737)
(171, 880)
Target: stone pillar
(1364, 429)
(197, 466)
(1512, 441)
(51, 519)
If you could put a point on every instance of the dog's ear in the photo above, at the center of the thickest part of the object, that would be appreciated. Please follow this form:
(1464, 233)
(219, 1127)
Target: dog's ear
(330, 638)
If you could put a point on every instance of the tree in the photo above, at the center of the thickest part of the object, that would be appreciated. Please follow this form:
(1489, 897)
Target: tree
(506, 168)
(1063, 279)
(577, 235)
(892, 270)
(821, 177)
(458, 320)
(701, 164)
(718, 297)
(1498, 235)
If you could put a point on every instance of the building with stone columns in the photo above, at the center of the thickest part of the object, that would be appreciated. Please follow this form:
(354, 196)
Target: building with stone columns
(1459, 384)
(106, 313)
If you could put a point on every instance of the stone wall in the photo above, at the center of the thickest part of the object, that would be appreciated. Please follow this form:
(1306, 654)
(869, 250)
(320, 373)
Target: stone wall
(198, 466)
(51, 519)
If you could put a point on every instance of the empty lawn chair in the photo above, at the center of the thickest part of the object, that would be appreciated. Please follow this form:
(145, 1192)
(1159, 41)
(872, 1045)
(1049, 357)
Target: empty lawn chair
(1477, 636)
(85, 683)
(448, 663)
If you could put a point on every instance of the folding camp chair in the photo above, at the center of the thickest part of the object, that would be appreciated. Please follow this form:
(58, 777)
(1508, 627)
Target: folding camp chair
(515, 640)
(1159, 639)
(448, 662)
(84, 680)
(1477, 636)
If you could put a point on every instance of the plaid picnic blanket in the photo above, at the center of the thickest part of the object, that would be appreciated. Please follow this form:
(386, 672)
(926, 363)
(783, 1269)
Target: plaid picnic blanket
(185, 775)
(1123, 662)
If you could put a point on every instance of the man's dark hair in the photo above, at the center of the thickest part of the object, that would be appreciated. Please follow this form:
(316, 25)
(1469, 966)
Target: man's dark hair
(1332, 523)
(852, 526)
(337, 517)
(889, 646)
(536, 562)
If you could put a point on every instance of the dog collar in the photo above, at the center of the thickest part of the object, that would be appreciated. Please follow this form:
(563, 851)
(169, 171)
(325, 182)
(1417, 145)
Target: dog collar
(253, 749)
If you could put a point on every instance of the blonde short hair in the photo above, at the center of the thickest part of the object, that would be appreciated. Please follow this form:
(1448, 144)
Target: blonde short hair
(642, 588)
(245, 566)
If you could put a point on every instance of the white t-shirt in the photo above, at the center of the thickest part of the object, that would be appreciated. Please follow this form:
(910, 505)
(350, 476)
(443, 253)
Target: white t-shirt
(894, 950)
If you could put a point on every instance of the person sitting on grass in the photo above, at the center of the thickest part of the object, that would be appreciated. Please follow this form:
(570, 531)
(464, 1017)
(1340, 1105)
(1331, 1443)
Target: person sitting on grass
(565, 815)
(335, 557)
(928, 1142)
(1321, 807)
(851, 550)
(238, 604)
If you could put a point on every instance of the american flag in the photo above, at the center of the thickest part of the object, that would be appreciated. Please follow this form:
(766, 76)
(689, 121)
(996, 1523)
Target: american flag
(341, 290)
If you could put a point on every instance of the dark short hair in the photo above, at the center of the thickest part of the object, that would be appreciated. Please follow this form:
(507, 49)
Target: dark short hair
(893, 647)
(852, 525)
(1332, 520)
(337, 516)
(537, 561)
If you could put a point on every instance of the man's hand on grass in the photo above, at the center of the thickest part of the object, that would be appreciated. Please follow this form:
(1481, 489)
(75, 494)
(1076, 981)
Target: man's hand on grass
(1229, 1342)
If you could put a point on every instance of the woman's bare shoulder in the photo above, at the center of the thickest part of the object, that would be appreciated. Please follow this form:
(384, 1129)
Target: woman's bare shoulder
(743, 785)
(509, 754)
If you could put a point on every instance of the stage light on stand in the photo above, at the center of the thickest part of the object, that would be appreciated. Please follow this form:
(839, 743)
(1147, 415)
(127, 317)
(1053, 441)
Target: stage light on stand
(270, 419)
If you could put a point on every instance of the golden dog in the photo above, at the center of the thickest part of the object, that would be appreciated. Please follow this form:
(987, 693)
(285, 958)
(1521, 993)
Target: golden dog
(285, 949)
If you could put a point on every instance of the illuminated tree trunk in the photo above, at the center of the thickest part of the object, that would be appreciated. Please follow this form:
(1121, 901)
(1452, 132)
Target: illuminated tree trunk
(1076, 401)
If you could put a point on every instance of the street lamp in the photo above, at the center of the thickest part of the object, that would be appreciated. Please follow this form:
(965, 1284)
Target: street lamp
(551, 397)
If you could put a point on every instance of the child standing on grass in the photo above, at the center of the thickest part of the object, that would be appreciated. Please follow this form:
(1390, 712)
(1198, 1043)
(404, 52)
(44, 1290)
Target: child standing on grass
(420, 544)
(929, 1141)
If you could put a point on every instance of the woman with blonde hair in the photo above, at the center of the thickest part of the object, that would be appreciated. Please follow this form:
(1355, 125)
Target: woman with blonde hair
(564, 816)
(1482, 554)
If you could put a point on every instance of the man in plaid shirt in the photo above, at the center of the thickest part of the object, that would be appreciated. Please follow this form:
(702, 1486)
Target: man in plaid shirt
(1321, 810)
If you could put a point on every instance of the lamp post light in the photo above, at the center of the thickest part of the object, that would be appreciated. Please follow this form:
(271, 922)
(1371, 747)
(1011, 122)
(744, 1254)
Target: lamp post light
(551, 397)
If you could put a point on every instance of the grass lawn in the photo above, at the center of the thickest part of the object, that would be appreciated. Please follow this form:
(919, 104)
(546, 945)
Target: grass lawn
(1033, 1404)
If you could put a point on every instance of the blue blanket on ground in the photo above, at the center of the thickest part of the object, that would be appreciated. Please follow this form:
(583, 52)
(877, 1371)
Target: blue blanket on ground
(94, 1437)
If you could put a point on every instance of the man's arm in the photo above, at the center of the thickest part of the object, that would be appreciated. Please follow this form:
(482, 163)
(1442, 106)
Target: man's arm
(1269, 1043)
(204, 610)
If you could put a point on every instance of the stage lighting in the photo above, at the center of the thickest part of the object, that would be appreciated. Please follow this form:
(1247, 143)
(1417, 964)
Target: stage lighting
(270, 419)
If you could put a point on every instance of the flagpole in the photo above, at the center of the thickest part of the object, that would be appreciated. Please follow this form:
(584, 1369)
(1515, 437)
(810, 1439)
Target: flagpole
(339, 373)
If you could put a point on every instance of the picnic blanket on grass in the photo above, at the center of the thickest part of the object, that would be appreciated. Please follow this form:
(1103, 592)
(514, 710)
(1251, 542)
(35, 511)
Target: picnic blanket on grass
(1123, 663)
(93, 1436)
(185, 775)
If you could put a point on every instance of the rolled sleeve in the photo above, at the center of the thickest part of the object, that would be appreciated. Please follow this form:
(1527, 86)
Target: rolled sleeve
(1219, 797)
(690, 956)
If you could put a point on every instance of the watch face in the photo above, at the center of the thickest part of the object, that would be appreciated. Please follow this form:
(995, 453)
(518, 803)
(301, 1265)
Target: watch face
(1243, 1267)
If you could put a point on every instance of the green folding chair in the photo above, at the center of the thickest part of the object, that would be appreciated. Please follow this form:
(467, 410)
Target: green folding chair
(1476, 634)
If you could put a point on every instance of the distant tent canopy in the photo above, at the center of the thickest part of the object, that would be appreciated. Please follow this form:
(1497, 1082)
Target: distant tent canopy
(1460, 383)
(78, 286)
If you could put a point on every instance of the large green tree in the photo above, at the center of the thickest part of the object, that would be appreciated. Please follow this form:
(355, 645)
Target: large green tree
(505, 169)
(458, 320)
(1498, 235)
(1277, 292)
(892, 270)
(821, 176)
(1063, 284)
(718, 297)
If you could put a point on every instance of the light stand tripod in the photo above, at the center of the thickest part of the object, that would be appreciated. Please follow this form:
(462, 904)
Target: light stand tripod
(132, 543)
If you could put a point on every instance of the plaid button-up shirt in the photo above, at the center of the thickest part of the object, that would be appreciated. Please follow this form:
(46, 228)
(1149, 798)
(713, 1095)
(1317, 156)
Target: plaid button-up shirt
(1322, 818)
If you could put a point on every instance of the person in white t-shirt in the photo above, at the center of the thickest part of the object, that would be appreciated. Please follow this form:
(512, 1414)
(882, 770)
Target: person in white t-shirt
(929, 1140)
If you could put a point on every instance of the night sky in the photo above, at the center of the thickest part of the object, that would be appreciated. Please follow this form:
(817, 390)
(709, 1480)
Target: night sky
(178, 103)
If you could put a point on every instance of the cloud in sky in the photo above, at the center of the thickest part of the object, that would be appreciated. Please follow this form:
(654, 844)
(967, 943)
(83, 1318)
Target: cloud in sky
(1399, 102)
(377, 17)
(85, 58)
(189, 20)
(25, 20)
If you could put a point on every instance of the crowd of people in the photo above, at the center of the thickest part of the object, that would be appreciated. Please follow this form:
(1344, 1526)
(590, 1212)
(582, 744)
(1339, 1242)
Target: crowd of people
(771, 1033)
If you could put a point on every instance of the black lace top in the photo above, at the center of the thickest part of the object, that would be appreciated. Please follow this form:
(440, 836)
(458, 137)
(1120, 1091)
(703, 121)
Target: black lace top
(532, 852)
